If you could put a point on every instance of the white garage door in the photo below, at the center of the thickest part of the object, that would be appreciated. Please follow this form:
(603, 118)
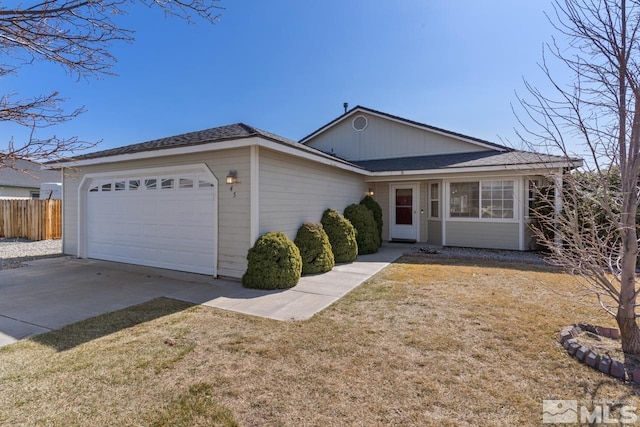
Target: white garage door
(162, 221)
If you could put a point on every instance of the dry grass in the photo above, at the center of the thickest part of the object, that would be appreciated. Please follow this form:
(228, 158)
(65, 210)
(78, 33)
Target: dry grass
(422, 343)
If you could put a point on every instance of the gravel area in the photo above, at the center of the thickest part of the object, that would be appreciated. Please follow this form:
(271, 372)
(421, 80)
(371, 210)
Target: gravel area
(526, 257)
(13, 252)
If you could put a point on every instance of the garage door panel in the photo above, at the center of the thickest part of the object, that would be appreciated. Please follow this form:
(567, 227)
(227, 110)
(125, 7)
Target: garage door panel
(167, 228)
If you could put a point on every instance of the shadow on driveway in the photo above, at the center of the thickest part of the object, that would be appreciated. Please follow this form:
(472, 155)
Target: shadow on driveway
(100, 326)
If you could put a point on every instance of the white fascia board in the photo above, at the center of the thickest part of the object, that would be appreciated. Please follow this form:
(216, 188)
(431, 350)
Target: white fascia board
(310, 156)
(215, 146)
(538, 169)
(415, 125)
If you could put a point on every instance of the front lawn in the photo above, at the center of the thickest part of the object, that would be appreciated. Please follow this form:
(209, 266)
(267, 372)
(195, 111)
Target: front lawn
(421, 343)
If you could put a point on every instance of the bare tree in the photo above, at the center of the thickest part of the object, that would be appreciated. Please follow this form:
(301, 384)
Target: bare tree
(77, 35)
(595, 234)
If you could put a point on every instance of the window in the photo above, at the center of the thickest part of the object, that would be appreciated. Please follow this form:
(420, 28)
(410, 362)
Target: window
(497, 199)
(94, 189)
(166, 183)
(106, 187)
(204, 184)
(482, 199)
(185, 183)
(134, 184)
(534, 187)
(464, 200)
(150, 184)
(434, 200)
(404, 206)
(119, 186)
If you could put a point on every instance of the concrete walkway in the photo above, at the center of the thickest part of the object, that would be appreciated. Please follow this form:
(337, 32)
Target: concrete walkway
(309, 296)
(52, 293)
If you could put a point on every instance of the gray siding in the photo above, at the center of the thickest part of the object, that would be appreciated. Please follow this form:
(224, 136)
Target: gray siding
(16, 192)
(294, 191)
(423, 211)
(233, 206)
(384, 138)
(381, 196)
(490, 235)
(434, 232)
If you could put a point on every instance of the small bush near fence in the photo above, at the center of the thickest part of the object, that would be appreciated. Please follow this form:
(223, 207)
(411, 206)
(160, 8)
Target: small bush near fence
(31, 219)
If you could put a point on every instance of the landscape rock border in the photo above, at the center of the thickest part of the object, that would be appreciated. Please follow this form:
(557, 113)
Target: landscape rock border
(584, 354)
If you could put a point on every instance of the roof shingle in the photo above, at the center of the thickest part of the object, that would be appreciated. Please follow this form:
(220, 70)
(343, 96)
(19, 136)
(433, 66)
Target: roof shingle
(459, 160)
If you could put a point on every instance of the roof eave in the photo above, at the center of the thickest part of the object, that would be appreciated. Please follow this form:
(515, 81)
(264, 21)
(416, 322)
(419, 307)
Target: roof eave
(551, 167)
(259, 140)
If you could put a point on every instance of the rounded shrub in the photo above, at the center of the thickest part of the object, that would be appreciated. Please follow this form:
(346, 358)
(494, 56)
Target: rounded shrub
(342, 236)
(274, 263)
(366, 229)
(315, 249)
(370, 203)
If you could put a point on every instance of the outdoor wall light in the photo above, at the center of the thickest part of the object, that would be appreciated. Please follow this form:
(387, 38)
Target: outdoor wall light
(370, 192)
(232, 177)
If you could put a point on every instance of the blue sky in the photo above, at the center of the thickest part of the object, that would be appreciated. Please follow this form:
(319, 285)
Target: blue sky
(288, 66)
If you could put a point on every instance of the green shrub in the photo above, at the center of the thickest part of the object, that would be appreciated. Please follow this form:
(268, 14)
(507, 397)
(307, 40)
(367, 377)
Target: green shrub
(366, 229)
(375, 208)
(342, 236)
(315, 249)
(274, 263)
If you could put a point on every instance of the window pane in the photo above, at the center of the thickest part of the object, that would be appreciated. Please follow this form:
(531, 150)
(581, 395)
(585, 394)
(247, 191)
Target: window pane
(404, 206)
(150, 184)
(497, 199)
(186, 183)
(134, 184)
(166, 183)
(434, 205)
(464, 199)
(119, 186)
(106, 187)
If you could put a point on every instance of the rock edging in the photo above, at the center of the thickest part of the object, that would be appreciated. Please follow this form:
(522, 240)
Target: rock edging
(603, 363)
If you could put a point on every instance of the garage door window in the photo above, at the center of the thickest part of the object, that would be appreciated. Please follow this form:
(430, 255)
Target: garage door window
(150, 184)
(185, 182)
(166, 183)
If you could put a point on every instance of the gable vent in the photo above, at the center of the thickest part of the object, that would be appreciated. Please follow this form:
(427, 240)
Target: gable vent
(360, 123)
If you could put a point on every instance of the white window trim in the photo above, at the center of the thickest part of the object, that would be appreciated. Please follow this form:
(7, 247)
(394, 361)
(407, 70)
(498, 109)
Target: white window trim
(517, 201)
(430, 199)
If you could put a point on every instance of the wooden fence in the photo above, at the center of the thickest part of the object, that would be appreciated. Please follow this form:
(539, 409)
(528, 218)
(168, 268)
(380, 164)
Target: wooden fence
(31, 219)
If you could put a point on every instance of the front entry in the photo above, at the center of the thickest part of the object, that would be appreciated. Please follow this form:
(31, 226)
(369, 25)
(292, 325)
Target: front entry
(404, 212)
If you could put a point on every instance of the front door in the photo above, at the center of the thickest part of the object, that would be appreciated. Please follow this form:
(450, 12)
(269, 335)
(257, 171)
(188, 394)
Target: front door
(404, 212)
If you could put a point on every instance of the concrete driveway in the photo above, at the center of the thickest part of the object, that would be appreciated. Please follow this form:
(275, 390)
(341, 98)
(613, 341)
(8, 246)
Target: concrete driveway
(51, 293)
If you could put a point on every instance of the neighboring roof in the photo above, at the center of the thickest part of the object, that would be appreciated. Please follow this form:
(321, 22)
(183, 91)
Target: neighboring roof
(463, 160)
(360, 108)
(26, 174)
(219, 134)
